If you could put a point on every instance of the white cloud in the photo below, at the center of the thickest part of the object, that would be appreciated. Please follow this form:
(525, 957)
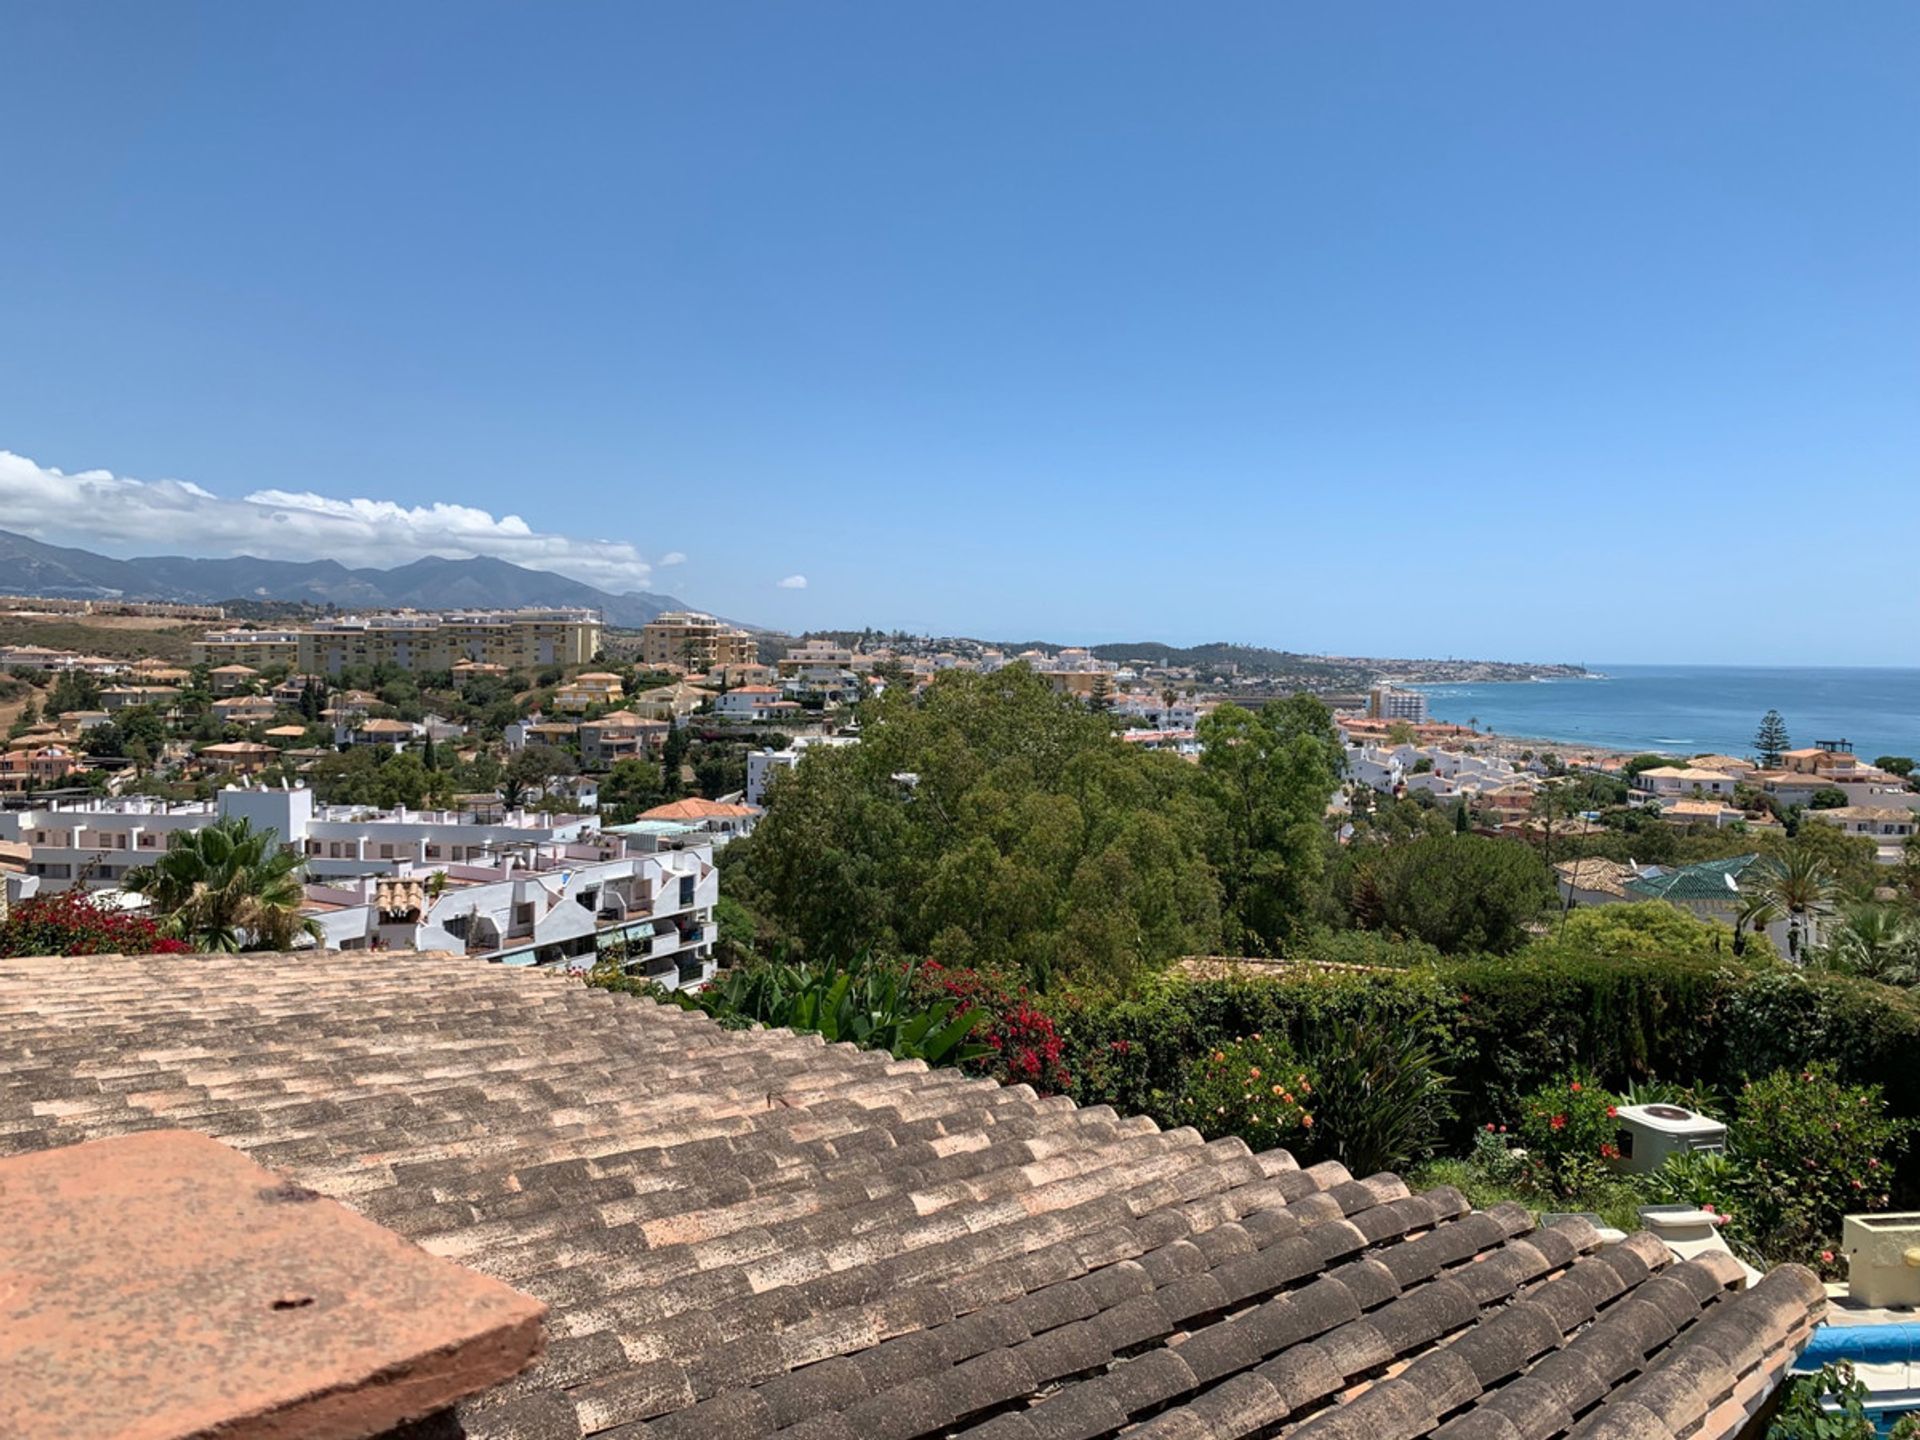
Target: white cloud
(794, 582)
(672, 557)
(100, 510)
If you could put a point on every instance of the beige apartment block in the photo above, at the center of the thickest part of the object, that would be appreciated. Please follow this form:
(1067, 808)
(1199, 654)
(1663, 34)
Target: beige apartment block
(416, 641)
(695, 641)
(257, 649)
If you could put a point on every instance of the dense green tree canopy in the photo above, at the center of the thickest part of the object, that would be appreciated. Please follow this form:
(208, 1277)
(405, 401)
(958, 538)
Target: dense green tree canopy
(992, 822)
(1647, 930)
(1460, 892)
(1270, 772)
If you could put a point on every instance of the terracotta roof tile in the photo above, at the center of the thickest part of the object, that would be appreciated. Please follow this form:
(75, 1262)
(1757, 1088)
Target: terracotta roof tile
(758, 1234)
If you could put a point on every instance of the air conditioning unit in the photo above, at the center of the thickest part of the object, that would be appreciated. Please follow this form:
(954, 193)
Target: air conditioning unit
(1883, 1258)
(1649, 1135)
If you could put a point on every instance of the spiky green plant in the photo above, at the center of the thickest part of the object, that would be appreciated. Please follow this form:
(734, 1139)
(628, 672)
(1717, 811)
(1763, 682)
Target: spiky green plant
(227, 886)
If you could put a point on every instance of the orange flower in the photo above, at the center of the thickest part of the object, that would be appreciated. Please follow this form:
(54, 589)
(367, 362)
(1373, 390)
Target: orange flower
(1307, 1120)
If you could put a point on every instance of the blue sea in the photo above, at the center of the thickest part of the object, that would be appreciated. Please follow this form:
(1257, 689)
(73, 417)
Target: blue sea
(1694, 709)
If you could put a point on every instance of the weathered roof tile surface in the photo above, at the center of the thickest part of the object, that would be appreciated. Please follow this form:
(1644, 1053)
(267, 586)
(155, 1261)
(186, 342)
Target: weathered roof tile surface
(758, 1235)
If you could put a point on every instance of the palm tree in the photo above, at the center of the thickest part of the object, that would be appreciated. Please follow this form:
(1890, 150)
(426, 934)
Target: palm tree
(1800, 885)
(227, 886)
(1876, 942)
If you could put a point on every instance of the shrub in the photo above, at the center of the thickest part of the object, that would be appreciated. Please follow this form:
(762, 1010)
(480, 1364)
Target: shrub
(866, 1002)
(1461, 893)
(1023, 1045)
(75, 922)
(1524, 1020)
(1828, 1405)
(1568, 1131)
(1255, 1088)
(1132, 1053)
(1816, 1150)
(1382, 1098)
(1719, 1184)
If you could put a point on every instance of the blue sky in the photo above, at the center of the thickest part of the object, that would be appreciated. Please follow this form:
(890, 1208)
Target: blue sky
(1518, 330)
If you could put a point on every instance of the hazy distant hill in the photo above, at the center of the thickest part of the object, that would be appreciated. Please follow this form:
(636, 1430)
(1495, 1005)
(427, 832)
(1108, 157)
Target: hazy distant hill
(30, 567)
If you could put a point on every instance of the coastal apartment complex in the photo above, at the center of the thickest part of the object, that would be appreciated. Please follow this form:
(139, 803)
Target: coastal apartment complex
(695, 641)
(1387, 702)
(410, 640)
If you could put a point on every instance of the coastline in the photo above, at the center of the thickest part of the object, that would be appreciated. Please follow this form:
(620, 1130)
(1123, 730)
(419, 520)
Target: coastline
(1687, 710)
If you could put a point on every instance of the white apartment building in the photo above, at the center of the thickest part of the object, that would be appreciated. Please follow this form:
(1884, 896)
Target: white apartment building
(763, 765)
(825, 683)
(1180, 742)
(1385, 702)
(557, 906)
(100, 839)
(96, 841)
(1154, 709)
(753, 702)
(815, 654)
(1674, 781)
(1888, 826)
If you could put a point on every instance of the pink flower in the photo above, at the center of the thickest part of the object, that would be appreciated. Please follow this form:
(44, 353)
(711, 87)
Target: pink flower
(1826, 1257)
(1708, 1208)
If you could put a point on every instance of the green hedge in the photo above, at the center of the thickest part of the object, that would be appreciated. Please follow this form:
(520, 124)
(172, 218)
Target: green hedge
(1506, 1026)
(1132, 1053)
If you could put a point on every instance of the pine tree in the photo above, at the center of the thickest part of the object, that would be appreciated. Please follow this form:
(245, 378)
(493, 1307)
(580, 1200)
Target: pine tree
(430, 755)
(1770, 740)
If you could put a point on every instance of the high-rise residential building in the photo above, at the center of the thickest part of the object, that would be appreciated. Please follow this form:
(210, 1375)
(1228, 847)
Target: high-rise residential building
(256, 648)
(695, 641)
(411, 640)
(1385, 702)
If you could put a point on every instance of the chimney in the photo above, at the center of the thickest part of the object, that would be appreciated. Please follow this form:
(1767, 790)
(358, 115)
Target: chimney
(161, 1286)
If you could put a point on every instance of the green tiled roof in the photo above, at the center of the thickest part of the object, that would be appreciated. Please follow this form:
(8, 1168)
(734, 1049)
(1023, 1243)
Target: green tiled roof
(1708, 880)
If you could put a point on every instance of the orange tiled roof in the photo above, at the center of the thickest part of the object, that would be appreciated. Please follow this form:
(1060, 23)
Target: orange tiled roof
(755, 1235)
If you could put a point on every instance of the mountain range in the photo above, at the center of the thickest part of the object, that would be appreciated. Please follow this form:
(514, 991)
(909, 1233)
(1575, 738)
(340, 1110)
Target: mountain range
(31, 567)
